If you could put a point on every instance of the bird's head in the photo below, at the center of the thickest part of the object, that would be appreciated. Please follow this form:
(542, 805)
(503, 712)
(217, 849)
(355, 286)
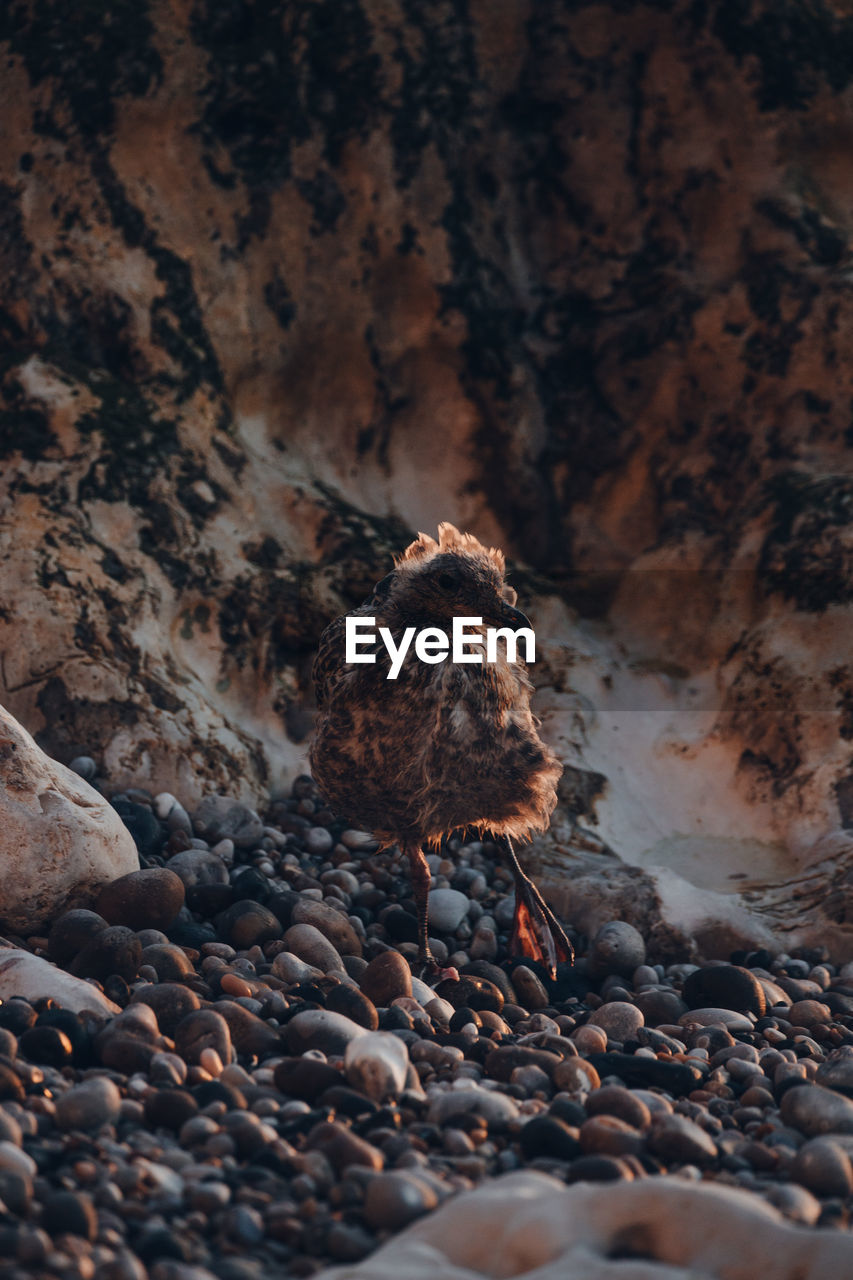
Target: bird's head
(433, 582)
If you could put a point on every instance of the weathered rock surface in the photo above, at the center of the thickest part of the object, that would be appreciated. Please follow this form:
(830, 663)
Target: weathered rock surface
(528, 1223)
(60, 841)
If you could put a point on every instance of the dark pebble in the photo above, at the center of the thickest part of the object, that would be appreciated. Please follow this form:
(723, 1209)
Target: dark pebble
(149, 899)
(154, 1243)
(249, 1033)
(171, 1002)
(169, 962)
(11, 1087)
(547, 1135)
(491, 972)
(501, 1062)
(142, 825)
(660, 1006)
(597, 1169)
(611, 1100)
(679, 1140)
(347, 1242)
(205, 1029)
(113, 950)
(220, 818)
(473, 991)
(725, 986)
(16, 1192)
(246, 924)
(16, 1015)
(70, 932)
(217, 1091)
(676, 1078)
(169, 1108)
(47, 1045)
(71, 1213)
(305, 1078)
(353, 1004)
(569, 1110)
(400, 925)
(386, 977)
(343, 1148)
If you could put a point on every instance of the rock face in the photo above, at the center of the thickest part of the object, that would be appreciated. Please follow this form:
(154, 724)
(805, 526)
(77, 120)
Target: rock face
(527, 1223)
(59, 839)
(282, 284)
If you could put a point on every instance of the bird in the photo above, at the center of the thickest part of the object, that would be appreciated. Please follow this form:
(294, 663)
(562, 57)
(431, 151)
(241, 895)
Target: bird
(445, 745)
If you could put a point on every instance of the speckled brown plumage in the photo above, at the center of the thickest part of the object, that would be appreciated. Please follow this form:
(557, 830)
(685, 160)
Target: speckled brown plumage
(443, 746)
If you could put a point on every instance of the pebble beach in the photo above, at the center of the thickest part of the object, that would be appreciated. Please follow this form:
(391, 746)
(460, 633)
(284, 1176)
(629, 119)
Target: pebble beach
(261, 1084)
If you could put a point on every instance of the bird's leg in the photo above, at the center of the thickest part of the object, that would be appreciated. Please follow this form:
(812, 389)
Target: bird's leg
(420, 873)
(536, 931)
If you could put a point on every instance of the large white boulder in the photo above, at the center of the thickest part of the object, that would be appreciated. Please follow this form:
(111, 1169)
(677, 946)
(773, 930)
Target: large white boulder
(531, 1225)
(59, 839)
(32, 978)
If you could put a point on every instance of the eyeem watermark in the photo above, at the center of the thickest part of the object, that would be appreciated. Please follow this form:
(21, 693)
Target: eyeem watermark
(434, 645)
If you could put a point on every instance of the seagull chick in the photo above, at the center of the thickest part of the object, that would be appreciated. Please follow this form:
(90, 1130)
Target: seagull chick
(445, 745)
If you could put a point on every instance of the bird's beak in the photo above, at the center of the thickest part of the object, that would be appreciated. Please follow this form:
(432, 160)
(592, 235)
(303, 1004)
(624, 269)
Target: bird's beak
(504, 615)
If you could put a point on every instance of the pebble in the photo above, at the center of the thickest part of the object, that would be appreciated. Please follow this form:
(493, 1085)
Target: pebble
(497, 1109)
(392, 1200)
(447, 909)
(85, 767)
(814, 1109)
(70, 932)
(290, 969)
(621, 1021)
(72, 1213)
(171, 1002)
(200, 1030)
(377, 1064)
(353, 1004)
(147, 899)
(837, 1071)
(824, 1167)
(725, 986)
(678, 1139)
(712, 1017)
(219, 818)
(313, 947)
(343, 1148)
(548, 1135)
(198, 866)
(115, 950)
(88, 1106)
(318, 841)
(528, 988)
(247, 923)
(320, 1029)
(616, 948)
(332, 924)
(386, 978)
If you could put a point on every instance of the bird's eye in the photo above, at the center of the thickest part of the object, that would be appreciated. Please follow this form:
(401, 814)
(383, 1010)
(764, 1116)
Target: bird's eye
(447, 581)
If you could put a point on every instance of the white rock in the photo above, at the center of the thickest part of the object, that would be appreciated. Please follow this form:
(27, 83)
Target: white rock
(421, 992)
(727, 1018)
(59, 839)
(495, 1108)
(526, 1224)
(377, 1064)
(23, 974)
(447, 909)
(163, 804)
(290, 968)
